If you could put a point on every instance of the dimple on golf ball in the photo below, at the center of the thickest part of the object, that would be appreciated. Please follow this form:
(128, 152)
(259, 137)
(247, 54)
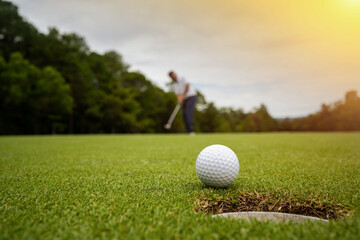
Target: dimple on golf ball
(217, 166)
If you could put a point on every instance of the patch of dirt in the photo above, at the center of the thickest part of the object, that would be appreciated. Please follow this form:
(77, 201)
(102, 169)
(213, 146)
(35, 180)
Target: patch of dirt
(245, 201)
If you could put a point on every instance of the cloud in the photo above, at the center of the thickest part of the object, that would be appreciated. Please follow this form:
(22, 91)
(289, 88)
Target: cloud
(290, 55)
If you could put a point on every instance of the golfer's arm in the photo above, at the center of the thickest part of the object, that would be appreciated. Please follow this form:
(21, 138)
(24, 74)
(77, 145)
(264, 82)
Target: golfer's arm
(186, 90)
(181, 97)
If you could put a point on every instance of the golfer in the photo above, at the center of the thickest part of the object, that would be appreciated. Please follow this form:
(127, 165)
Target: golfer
(186, 96)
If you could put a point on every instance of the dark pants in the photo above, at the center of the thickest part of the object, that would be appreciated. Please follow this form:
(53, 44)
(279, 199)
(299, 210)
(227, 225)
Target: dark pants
(188, 112)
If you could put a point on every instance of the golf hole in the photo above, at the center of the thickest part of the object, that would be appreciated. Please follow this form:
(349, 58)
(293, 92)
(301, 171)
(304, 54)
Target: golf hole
(270, 216)
(269, 206)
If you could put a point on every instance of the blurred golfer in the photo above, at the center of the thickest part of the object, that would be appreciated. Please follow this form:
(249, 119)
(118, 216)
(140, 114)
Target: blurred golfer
(186, 95)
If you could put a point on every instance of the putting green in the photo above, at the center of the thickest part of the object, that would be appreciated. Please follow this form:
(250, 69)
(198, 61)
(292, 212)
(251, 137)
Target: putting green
(145, 186)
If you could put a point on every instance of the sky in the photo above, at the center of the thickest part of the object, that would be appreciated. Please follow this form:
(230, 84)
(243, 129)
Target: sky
(290, 55)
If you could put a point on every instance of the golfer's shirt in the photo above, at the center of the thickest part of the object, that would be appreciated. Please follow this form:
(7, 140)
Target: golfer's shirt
(179, 86)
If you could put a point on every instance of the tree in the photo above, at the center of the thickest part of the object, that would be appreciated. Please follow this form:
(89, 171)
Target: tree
(208, 120)
(16, 35)
(258, 121)
(339, 116)
(17, 82)
(32, 100)
(265, 122)
(153, 102)
(53, 101)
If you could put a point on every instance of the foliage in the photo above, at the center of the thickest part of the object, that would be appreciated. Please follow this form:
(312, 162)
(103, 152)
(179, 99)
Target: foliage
(105, 95)
(32, 100)
(212, 119)
(340, 116)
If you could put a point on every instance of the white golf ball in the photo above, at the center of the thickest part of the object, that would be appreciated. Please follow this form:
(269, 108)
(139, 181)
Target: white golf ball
(217, 166)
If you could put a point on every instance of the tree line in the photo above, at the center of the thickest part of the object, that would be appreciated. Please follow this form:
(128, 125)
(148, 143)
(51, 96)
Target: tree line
(342, 115)
(54, 83)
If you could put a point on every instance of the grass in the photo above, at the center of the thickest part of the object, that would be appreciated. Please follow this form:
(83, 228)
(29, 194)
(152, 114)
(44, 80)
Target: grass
(247, 201)
(145, 186)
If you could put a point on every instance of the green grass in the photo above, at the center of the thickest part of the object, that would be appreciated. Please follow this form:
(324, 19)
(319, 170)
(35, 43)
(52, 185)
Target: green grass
(145, 186)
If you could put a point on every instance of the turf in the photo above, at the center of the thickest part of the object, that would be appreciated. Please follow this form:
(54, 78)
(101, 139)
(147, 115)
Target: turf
(145, 186)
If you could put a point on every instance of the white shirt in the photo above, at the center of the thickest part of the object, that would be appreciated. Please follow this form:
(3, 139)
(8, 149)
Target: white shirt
(179, 86)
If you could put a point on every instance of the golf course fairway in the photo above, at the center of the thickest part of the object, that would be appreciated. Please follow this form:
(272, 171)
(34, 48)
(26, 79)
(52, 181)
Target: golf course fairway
(146, 187)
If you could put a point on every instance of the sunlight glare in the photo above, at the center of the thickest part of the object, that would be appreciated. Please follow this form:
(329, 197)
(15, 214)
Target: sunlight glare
(354, 2)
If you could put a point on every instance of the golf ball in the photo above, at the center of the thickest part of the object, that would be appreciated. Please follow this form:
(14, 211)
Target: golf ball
(217, 166)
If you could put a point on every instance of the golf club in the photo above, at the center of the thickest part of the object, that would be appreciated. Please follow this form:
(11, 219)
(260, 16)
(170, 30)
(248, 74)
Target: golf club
(172, 116)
